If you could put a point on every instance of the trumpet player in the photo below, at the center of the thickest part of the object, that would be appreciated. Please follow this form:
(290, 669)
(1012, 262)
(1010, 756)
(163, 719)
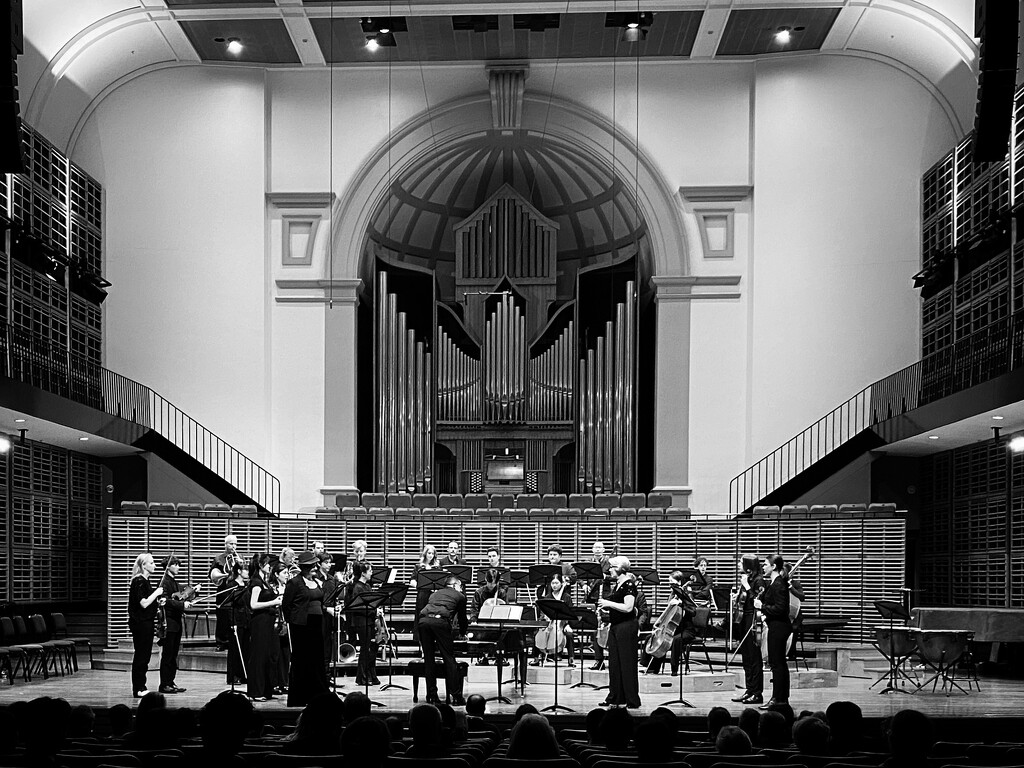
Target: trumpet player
(364, 624)
(223, 570)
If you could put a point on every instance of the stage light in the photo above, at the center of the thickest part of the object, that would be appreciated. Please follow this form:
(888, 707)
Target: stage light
(5, 444)
(1017, 444)
(933, 437)
(782, 36)
(84, 439)
(998, 418)
(371, 43)
(19, 421)
(235, 46)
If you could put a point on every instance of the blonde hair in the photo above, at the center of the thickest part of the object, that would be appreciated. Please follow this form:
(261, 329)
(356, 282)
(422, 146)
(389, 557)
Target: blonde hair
(137, 568)
(621, 562)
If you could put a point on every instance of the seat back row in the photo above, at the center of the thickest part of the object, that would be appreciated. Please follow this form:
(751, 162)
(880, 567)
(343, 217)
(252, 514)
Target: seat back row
(527, 501)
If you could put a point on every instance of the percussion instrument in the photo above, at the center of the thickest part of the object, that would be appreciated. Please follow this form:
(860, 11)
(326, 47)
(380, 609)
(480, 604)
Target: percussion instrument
(896, 644)
(942, 650)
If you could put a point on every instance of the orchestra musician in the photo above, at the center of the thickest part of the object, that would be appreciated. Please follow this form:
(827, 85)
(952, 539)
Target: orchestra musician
(238, 600)
(751, 585)
(594, 590)
(142, 605)
(620, 606)
(303, 609)
(318, 548)
(774, 604)
(704, 585)
(364, 622)
(685, 632)
(222, 572)
(452, 556)
(264, 647)
(174, 615)
(445, 607)
(557, 589)
(491, 589)
(358, 556)
(428, 562)
(288, 558)
(284, 655)
(555, 558)
(324, 575)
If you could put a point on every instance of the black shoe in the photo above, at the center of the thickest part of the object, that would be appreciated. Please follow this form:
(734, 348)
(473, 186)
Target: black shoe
(375, 681)
(742, 698)
(604, 703)
(433, 699)
(597, 665)
(753, 698)
(767, 704)
(140, 693)
(167, 689)
(360, 683)
(570, 663)
(179, 689)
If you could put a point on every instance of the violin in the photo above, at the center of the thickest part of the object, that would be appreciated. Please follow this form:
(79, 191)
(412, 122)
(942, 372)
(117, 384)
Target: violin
(188, 594)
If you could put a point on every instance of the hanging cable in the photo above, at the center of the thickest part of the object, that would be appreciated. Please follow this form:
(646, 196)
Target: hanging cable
(330, 170)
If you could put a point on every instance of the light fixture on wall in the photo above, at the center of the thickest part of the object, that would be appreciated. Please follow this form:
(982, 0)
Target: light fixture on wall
(5, 444)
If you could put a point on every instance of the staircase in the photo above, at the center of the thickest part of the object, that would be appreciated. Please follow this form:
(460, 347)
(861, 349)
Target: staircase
(873, 416)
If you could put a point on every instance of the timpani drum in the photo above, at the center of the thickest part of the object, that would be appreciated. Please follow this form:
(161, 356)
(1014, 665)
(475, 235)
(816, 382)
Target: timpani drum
(896, 642)
(942, 647)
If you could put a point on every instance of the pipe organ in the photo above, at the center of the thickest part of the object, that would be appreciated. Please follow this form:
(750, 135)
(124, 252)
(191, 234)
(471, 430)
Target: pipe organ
(514, 367)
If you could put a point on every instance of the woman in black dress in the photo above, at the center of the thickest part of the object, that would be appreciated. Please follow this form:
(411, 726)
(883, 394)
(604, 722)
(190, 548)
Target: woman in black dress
(261, 661)
(774, 604)
(142, 605)
(303, 607)
(620, 606)
(424, 588)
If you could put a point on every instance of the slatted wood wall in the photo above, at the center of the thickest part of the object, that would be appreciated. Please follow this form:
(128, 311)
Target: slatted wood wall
(858, 560)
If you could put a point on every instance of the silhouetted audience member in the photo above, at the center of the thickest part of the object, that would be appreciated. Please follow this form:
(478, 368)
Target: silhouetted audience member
(319, 726)
(223, 725)
(18, 710)
(81, 722)
(186, 722)
(748, 722)
(453, 723)
(654, 741)
(772, 731)
(668, 717)
(395, 727)
(120, 716)
(594, 722)
(910, 739)
(476, 708)
(810, 735)
(44, 729)
(8, 727)
(425, 728)
(718, 718)
(357, 704)
(154, 729)
(366, 742)
(524, 709)
(786, 711)
(617, 729)
(533, 738)
(149, 702)
(732, 740)
(846, 727)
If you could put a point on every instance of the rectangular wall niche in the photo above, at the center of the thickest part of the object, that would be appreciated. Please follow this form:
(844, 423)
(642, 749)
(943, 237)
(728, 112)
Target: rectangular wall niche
(298, 234)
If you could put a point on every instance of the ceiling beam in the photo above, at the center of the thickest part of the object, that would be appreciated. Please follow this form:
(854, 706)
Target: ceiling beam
(301, 32)
(170, 30)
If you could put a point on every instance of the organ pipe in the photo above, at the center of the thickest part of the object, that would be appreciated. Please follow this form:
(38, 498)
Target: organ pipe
(551, 380)
(504, 361)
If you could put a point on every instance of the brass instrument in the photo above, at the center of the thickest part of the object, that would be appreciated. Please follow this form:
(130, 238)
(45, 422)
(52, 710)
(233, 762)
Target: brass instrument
(346, 653)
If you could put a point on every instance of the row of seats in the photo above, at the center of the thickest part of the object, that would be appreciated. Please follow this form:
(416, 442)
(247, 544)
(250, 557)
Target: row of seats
(37, 646)
(495, 513)
(168, 509)
(824, 510)
(525, 501)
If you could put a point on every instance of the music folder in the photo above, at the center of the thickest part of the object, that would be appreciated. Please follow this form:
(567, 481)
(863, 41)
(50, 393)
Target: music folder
(500, 613)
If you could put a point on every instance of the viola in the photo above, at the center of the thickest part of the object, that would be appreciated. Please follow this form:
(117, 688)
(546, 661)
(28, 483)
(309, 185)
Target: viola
(188, 594)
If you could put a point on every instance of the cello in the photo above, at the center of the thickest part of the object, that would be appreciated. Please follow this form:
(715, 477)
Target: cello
(665, 628)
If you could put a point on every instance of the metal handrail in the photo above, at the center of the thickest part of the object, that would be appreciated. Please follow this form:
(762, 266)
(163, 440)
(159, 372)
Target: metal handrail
(985, 354)
(34, 360)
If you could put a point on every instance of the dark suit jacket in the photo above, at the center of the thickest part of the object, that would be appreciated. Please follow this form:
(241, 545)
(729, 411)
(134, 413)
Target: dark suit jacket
(297, 597)
(173, 609)
(775, 600)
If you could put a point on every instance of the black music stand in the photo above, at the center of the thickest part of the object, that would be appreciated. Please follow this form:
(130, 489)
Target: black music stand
(585, 621)
(589, 571)
(556, 610)
(540, 574)
(682, 669)
(367, 602)
(504, 574)
(501, 615)
(647, 575)
(463, 573)
(382, 575)
(396, 596)
(891, 611)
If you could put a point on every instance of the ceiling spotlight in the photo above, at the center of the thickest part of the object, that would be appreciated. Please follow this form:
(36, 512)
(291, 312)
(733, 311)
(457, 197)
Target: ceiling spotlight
(19, 421)
(5, 444)
(633, 33)
(998, 418)
(83, 439)
(933, 437)
(371, 43)
(234, 46)
(782, 35)
(1017, 444)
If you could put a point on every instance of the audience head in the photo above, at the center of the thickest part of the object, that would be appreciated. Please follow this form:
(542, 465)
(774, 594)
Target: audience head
(533, 738)
(524, 709)
(772, 731)
(476, 705)
(425, 725)
(154, 729)
(732, 740)
(395, 727)
(321, 721)
(186, 724)
(910, 734)
(224, 723)
(120, 719)
(594, 721)
(81, 721)
(149, 702)
(718, 718)
(748, 721)
(45, 726)
(366, 742)
(846, 723)
(811, 736)
(654, 741)
(357, 704)
(617, 729)
(666, 716)
(786, 711)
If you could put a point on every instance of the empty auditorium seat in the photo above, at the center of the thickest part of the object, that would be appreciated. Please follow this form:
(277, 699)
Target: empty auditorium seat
(350, 512)
(555, 500)
(162, 509)
(635, 500)
(347, 499)
(677, 513)
(476, 501)
(397, 500)
(381, 511)
(134, 506)
(767, 511)
(527, 501)
(374, 500)
(623, 512)
(651, 513)
(217, 510)
(450, 501)
(580, 500)
(592, 512)
(889, 508)
(822, 510)
(327, 513)
(794, 510)
(607, 500)
(852, 508)
(659, 500)
(424, 500)
(244, 510)
(188, 508)
(487, 513)
(503, 500)
(407, 512)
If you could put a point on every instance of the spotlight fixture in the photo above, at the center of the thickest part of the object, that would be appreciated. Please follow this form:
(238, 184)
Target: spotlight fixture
(634, 25)
(1017, 444)
(379, 31)
(5, 444)
(233, 44)
(89, 285)
(19, 421)
(998, 418)
(933, 437)
(782, 35)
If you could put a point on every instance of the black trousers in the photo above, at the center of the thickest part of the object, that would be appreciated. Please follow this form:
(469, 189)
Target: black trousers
(750, 652)
(623, 682)
(284, 662)
(169, 658)
(678, 649)
(222, 630)
(778, 639)
(366, 671)
(436, 637)
(142, 640)
(308, 676)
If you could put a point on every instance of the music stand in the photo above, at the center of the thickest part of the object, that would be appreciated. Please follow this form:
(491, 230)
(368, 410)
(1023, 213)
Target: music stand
(463, 573)
(593, 572)
(585, 621)
(541, 574)
(383, 575)
(367, 602)
(501, 615)
(890, 611)
(504, 574)
(332, 602)
(556, 610)
(647, 575)
(396, 596)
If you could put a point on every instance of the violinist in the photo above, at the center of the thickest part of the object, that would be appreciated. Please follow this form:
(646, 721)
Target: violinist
(142, 606)
(223, 570)
(556, 589)
(174, 613)
(677, 619)
(751, 586)
(774, 604)
(238, 601)
(261, 660)
(703, 585)
(555, 558)
(364, 623)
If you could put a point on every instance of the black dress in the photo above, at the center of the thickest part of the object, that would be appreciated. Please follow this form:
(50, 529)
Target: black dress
(304, 611)
(141, 623)
(424, 589)
(623, 681)
(262, 659)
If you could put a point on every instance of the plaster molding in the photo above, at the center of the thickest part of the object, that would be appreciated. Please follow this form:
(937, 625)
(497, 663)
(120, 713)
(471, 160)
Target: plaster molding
(669, 289)
(343, 291)
(716, 194)
(301, 200)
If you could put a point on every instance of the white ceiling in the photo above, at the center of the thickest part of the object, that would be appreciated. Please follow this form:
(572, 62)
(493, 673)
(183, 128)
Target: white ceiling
(974, 429)
(59, 435)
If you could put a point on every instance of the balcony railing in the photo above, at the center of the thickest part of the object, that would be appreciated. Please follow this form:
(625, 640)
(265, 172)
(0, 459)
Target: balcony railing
(984, 355)
(34, 360)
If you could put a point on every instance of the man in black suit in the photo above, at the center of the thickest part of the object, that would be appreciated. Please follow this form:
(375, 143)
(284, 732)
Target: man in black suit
(174, 613)
(446, 607)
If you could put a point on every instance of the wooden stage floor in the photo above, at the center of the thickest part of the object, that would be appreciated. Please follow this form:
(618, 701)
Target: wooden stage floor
(103, 688)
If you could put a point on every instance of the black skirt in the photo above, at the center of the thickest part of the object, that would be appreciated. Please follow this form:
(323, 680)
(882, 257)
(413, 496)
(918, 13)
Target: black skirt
(308, 674)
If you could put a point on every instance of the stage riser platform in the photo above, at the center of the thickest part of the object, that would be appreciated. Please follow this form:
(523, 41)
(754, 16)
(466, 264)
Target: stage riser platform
(802, 678)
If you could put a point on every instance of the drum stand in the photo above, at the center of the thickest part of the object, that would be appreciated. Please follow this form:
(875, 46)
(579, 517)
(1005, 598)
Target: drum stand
(895, 674)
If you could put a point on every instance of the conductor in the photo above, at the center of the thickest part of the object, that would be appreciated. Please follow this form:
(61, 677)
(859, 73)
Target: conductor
(446, 606)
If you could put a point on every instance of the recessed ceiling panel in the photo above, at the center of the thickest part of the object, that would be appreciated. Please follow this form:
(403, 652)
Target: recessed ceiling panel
(753, 32)
(578, 36)
(183, 3)
(264, 41)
